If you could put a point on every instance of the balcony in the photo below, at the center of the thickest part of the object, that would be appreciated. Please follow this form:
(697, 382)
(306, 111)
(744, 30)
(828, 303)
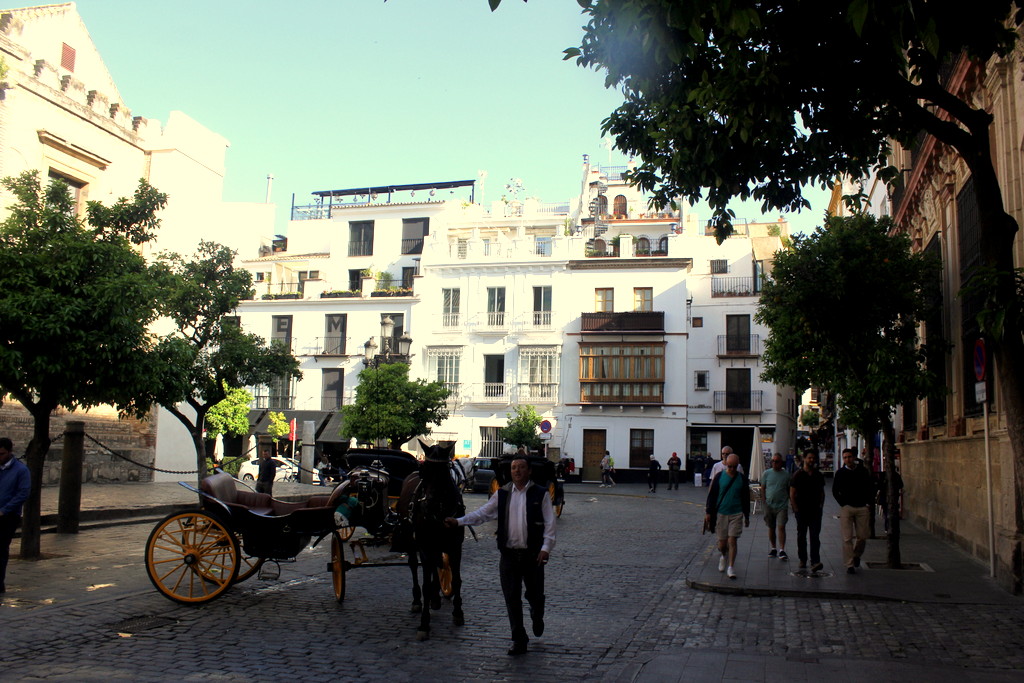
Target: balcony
(273, 402)
(732, 286)
(329, 346)
(412, 245)
(538, 392)
(542, 319)
(450, 320)
(488, 392)
(496, 319)
(360, 248)
(619, 393)
(739, 346)
(626, 321)
(738, 402)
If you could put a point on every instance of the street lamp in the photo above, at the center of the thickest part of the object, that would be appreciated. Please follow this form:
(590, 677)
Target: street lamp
(388, 351)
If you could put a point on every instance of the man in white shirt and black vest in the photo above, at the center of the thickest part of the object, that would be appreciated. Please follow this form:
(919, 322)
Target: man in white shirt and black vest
(526, 537)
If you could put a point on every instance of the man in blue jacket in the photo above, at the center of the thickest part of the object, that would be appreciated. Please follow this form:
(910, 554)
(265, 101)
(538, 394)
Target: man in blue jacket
(15, 484)
(728, 511)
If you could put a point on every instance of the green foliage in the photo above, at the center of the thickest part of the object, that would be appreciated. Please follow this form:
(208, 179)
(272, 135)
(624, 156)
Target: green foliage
(75, 302)
(843, 308)
(390, 406)
(230, 415)
(278, 427)
(993, 315)
(209, 352)
(810, 418)
(729, 100)
(523, 422)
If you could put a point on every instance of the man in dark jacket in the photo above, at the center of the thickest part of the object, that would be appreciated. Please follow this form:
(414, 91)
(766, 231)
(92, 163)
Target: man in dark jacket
(728, 510)
(807, 499)
(855, 493)
(526, 537)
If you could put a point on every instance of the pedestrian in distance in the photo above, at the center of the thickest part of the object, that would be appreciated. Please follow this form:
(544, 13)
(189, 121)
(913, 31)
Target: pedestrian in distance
(720, 465)
(775, 494)
(652, 474)
(727, 511)
(854, 490)
(267, 473)
(15, 484)
(674, 465)
(526, 537)
(807, 500)
(607, 467)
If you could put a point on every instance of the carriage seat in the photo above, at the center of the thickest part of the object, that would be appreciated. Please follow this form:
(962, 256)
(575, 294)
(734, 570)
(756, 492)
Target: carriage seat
(222, 487)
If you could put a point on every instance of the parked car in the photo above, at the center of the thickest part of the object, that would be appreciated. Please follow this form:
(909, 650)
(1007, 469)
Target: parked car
(480, 474)
(287, 470)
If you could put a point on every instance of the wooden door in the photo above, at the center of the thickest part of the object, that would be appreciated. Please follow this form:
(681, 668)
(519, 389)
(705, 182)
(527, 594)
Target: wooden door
(594, 446)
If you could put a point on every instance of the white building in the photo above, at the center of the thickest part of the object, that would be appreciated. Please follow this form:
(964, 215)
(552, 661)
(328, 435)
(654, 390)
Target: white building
(628, 329)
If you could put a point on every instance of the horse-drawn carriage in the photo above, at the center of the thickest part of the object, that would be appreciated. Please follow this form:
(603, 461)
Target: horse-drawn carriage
(543, 472)
(195, 556)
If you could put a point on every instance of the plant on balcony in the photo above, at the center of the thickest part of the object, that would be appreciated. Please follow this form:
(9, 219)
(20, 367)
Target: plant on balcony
(282, 295)
(394, 291)
(338, 294)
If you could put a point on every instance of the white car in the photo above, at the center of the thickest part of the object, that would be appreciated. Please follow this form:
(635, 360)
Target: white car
(286, 470)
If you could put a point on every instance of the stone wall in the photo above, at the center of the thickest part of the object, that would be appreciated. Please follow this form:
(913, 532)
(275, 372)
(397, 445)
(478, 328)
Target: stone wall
(134, 439)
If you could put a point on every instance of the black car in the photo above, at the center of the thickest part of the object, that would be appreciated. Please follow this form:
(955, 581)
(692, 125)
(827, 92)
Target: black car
(480, 475)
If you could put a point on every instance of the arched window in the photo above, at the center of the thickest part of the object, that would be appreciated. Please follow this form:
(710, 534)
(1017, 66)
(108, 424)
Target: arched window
(602, 205)
(643, 246)
(619, 206)
(600, 247)
(663, 244)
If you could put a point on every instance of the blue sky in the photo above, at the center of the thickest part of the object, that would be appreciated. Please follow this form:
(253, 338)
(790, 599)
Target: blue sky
(346, 93)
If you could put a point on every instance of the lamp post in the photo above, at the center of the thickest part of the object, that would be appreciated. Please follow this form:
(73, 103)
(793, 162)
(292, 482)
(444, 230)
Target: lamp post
(391, 350)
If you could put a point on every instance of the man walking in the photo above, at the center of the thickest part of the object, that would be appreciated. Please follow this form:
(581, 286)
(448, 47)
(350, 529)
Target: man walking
(652, 474)
(15, 484)
(267, 473)
(728, 510)
(807, 499)
(607, 465)
(526, 537)
(674, 464)
(855, 492)
(720, 465)
(775, 495)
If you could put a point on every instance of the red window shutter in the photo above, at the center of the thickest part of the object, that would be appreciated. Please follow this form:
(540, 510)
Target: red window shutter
(67, 57)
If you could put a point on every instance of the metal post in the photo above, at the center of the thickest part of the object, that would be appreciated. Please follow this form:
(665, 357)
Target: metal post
(988, 490)
(69, 500)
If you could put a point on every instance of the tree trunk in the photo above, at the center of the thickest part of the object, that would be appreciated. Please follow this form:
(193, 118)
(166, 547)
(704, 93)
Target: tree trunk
(35, 458)
(892, 494)
(197, 437)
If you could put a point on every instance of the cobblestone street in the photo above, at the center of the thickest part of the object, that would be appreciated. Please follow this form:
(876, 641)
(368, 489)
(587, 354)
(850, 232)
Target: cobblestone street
(618, 609)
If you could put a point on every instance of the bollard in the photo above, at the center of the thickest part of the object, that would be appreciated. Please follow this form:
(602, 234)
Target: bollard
(69, 502)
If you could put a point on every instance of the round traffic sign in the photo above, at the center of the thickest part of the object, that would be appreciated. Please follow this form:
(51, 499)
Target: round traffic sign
(979, 359)
(545, 426)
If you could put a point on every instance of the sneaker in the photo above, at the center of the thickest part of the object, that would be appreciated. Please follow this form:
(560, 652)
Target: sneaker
(783, 556)
(817, 567)
(773, 552)
(803, 565)
(721, 563)
(851, 570)
(730, 573)
(856, 562)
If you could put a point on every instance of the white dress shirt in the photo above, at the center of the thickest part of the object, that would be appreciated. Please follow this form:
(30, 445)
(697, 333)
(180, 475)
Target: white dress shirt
(516, 517)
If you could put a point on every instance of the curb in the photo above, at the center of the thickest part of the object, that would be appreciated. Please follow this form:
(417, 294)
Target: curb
(787, 593)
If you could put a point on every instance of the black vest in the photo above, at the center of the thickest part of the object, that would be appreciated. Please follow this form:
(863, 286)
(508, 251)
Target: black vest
(534, 516)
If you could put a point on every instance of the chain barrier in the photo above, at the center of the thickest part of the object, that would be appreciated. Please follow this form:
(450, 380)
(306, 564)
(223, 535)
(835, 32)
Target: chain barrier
(137, 464)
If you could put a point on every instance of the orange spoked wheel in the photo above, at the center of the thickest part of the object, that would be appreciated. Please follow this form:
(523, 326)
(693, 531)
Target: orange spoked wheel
(338, 565)
(191, 557)
(248, 566)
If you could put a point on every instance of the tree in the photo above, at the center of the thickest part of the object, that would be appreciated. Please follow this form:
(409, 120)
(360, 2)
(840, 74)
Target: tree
(842, 308)
(390, 406)
(75, 301)
(230, 418)
(737, 99)
(213, 350)
(278, 427)
(523, 422)
(810, 418)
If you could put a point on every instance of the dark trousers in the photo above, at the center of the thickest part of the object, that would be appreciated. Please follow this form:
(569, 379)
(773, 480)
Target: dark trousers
(8, 525)
(519, 567)
(266, 487)
(808, 523)
(652, 480)
(673, 478)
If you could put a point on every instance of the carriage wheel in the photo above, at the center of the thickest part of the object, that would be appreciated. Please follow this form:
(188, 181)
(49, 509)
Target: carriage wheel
(444, 576)
(555, 502)
(248, 566)
(346, 532)
(338, 565)
(191, 557)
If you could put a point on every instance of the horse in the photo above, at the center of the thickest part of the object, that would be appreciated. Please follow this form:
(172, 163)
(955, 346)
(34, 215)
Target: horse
(427, 498)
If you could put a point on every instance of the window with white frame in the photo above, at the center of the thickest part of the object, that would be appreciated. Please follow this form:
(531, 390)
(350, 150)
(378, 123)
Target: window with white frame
(538, 372)
(444, 367)
(495, 306)
(451, 301)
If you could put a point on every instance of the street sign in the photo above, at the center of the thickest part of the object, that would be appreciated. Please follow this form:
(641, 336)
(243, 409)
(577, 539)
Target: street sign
(979, 359)
(545, 426)
(980, 393)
